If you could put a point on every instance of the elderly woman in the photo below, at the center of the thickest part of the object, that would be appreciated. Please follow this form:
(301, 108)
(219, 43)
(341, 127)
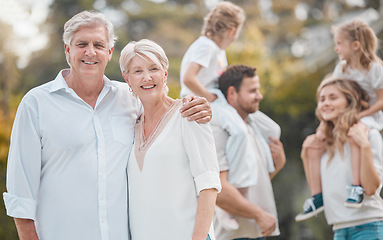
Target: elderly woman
(340, 137)
(173, 170)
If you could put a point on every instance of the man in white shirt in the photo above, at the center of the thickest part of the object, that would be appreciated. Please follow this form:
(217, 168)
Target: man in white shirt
(71, 138)
(253, 208)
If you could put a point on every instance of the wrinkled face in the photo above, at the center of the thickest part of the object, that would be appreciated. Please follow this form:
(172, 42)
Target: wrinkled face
(343, 47)
(146, 78)
(331, 103)
(89, 52)
(249, 95)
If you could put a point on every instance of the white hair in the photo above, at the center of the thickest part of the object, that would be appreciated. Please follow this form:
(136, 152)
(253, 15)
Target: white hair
(87, 19)
(144, 47)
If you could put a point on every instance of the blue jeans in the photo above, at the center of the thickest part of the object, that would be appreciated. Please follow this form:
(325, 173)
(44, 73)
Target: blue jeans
(261, 238)
(370, 231)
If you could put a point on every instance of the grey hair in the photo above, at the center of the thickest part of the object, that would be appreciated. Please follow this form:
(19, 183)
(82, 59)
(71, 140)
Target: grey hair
(88, 19)
(144, 47)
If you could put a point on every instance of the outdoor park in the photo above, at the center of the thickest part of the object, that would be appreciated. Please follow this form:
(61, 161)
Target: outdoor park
(289, 42)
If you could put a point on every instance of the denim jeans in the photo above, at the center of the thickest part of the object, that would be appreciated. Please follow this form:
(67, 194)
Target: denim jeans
(261, 238)
(370, 231)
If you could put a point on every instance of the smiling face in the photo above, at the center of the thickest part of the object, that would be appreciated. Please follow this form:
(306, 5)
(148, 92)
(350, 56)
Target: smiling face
(331, 103)
(146, 78)
(247, 99)
(89, 52)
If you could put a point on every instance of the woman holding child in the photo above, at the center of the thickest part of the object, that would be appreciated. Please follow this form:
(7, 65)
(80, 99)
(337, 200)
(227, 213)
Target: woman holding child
(340, 136)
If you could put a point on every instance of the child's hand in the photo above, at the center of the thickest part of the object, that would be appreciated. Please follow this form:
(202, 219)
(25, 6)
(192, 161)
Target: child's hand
(313, 146)
(358, 134)
(320, 132)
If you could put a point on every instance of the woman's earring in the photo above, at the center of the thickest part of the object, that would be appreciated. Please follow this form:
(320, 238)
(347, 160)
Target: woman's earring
(130, 89)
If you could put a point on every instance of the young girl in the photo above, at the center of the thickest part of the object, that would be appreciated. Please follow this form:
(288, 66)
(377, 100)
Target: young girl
(205, 60)
(340, 103)
(356, 45)
(203, 63)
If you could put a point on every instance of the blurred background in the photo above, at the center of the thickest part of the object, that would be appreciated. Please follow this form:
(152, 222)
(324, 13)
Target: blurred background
(289, 42)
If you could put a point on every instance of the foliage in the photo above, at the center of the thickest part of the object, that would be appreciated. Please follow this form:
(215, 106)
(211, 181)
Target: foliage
(8, 230)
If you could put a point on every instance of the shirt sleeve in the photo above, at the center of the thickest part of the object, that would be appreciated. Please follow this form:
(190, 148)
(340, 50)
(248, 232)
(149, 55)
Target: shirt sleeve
(203, 54)
(376, 76)
(24, 162)
(338, 70)
(200, 148)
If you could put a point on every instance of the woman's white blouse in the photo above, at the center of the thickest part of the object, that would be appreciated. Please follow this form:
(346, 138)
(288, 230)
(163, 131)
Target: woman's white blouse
(166, 174)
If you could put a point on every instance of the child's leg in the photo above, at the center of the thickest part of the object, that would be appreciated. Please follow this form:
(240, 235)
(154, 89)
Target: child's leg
(311, 165)
(228, 118)
(312, 171)
(355, 195)
(266, 128)
(355, 164)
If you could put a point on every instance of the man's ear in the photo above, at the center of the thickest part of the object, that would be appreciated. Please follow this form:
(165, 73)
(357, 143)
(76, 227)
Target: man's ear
(231, 90)
(231, 94)
(110, 53)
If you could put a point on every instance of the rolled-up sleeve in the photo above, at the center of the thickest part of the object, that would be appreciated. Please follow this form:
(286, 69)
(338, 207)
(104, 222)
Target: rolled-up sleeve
(200, 148)
(24, 162)
(377, 150)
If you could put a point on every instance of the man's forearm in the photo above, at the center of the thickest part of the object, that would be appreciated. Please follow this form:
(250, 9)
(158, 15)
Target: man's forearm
(26, 229)
(232, 201)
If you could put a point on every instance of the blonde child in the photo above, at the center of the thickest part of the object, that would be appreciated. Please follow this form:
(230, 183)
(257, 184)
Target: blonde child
(205, 60)
(356, 45)
(203, 63)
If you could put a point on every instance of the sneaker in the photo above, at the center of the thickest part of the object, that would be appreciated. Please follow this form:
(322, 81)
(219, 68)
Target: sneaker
(227, 221)
(311, 207)
(355, 196)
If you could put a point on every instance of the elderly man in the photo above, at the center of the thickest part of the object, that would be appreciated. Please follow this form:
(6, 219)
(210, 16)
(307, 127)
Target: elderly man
(252, 207)
(70, 143)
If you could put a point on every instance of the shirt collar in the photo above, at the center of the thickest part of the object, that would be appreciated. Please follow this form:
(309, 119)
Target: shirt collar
(60, 83)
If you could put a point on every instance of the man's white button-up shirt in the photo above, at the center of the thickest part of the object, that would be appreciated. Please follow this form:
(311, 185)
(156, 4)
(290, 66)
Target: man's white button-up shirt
(67, 161)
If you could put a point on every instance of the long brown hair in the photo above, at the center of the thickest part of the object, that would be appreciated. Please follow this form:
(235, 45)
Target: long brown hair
(357, 101)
